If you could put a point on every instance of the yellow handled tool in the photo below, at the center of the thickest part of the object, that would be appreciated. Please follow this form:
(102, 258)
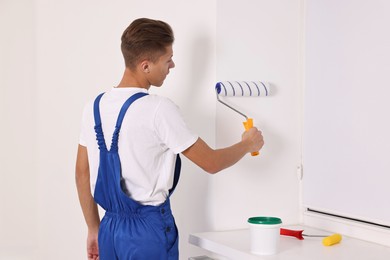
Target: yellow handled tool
(248, 124)
(242, 89)
(327, 241)
(331, 240)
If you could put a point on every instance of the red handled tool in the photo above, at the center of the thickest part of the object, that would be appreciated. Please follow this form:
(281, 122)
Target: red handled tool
(327, 241)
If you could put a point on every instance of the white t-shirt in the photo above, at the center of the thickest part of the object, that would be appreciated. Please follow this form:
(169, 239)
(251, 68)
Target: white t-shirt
(153, 132)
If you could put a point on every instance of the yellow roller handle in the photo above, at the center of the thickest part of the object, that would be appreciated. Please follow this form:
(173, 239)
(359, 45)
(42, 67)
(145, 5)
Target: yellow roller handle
(331, 240)
(248, 125)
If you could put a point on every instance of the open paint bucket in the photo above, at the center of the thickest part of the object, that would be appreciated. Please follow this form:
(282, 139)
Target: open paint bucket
(264, 235)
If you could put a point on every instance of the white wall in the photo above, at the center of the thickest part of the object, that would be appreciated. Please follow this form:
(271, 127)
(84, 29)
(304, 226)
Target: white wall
(59, 54)
(260, 40)
(18, 189)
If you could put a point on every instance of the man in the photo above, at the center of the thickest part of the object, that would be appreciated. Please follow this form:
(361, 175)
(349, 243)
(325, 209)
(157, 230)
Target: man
(131, 176)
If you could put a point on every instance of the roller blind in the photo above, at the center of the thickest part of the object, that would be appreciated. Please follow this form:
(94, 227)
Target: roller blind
(346, 153)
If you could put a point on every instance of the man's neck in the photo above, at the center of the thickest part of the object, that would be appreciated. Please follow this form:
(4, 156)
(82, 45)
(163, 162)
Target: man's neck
(131, 79)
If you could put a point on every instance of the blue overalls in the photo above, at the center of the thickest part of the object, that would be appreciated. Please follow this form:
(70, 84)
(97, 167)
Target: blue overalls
(128, 229)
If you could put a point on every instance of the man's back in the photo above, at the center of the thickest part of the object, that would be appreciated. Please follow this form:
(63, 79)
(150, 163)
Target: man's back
(152, 133)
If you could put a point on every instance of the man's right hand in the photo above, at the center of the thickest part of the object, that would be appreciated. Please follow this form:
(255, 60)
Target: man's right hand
(254, 138)
(92, 246)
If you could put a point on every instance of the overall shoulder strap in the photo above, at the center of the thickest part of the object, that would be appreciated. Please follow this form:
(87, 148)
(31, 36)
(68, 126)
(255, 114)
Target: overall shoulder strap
(126, 105)
(176, 175)
(98, 123)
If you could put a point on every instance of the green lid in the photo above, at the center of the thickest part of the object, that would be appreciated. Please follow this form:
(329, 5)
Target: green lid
(265, 220)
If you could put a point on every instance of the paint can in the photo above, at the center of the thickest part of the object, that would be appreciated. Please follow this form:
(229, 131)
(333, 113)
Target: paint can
(264, 235)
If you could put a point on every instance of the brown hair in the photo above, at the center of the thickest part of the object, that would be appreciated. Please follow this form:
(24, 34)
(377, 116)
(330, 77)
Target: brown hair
(145, 39)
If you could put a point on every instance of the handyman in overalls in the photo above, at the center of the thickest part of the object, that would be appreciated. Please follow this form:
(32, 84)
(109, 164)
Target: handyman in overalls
(129, 154)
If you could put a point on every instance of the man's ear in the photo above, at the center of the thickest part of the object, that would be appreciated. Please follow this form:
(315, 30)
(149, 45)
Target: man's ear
(145, 66)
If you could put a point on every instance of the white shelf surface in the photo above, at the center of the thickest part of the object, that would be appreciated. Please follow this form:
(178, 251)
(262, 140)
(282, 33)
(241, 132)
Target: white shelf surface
(235, 245)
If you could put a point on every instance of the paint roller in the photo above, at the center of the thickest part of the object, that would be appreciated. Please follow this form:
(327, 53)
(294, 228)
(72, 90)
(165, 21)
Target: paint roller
(327, 241)
(241, 89)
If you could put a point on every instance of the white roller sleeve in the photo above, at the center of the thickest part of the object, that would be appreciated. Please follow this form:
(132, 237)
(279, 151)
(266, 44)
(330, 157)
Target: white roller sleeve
(242, 88)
